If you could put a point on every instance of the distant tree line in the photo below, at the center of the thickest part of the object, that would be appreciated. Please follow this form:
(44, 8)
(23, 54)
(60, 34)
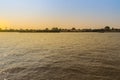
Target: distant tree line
(56, 29)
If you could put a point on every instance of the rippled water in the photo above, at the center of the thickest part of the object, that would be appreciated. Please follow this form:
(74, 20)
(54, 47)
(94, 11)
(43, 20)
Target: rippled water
(59, 56)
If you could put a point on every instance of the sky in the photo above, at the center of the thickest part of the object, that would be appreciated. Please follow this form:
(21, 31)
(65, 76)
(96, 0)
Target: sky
(59, 13)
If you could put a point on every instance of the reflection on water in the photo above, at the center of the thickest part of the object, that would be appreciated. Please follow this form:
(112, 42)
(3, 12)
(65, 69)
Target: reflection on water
(59, 56)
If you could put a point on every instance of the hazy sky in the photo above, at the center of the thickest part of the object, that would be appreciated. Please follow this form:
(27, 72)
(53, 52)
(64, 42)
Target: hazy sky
(59, 13)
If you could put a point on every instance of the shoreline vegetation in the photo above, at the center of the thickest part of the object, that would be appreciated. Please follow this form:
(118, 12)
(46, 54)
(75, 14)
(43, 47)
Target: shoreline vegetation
(58, 30)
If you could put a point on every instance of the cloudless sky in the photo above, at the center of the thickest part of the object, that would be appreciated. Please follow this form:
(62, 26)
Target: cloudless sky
(59, 13)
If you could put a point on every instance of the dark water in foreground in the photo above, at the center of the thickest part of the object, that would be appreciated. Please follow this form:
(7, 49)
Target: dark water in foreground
(59, 56)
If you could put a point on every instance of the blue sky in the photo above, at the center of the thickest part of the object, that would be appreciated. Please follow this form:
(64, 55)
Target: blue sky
(61, 13)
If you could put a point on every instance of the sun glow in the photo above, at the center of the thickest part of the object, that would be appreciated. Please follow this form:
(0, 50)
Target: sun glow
(4, 24)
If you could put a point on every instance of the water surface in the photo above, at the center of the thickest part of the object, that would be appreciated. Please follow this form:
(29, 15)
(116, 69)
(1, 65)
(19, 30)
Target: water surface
(59, 56)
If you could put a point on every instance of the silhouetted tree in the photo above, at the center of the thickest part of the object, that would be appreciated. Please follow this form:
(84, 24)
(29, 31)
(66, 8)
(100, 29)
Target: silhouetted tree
(73, 29)
(107, 28)
(46, 30)
(55, 29)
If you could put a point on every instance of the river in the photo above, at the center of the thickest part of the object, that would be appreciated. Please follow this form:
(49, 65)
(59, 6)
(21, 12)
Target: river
(59, 56)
